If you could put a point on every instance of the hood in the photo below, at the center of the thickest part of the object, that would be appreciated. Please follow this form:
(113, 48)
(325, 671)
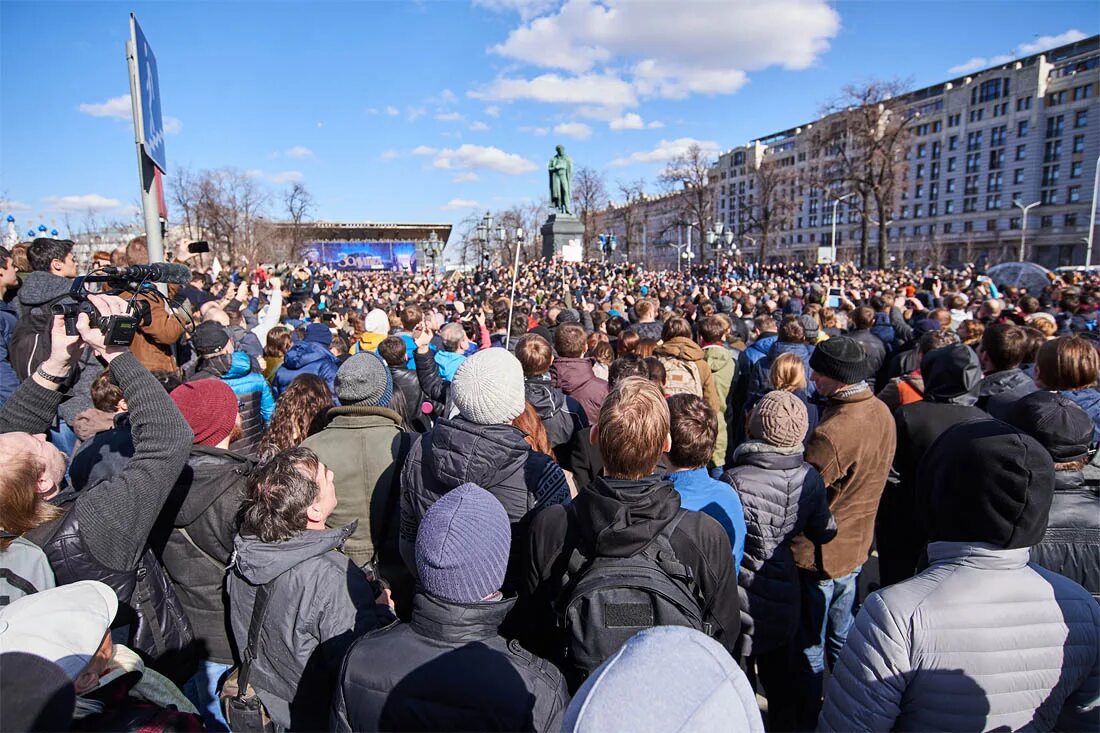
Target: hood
(802, 351)
(92, 421)
(547, 399)
(572, 373)
(368, 340)
(765, 455)
(39, 287)
(718, 357)
(463, 452)
(622, 516)
(681, 347)
(952, 375)
(763, 344)
(259, 562)
(208, 474)
(304, 353)
(240, 366)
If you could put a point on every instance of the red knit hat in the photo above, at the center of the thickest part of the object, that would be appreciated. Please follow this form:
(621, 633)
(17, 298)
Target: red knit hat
(209, 407)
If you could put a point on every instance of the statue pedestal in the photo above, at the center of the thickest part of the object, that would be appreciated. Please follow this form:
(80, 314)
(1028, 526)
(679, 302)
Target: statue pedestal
(560, 229)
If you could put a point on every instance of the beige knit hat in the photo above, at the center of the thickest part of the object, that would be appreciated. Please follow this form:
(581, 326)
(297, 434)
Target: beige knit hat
(779, 419)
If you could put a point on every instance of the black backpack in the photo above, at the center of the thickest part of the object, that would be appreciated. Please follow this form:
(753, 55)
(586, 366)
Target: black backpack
(30, 339)
(606, 600)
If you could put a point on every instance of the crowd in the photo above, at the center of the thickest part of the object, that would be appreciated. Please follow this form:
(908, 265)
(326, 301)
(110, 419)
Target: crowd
(789, 497)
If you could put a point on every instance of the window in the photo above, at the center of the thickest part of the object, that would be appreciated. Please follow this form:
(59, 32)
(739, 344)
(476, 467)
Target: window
(951, 165)
(992, 203)
(1014, 223)
(904, 212)
(1023, 103)
(1050, 175)
(1075, 169)
(934, 190)
(973, 160)
(993, 183)
(950, 185)
(935, 170)
(949, 206)
(1046, 221)
(1021, 152)
(937, 126)
(933, 209)
(1056, 98)
(1082, 92)
(947, 228)
(1055, 125)
(918, 211)
(935, 149)
(996, 159)
(970, 186)
(1073, 194)
(968, 226)
(920, 170)
(1049, 196)
(1078, 143)
(970, 205)
(973, 140)
(918, 191)
(953, 142)
(976, 114)
(1021, 128)
(954, 120)
(1018, 176)
(998, 136)
(987, 90)
(1070, 220)
(991, 225)
(1052, 151)
(1081, 118)
(922, 149)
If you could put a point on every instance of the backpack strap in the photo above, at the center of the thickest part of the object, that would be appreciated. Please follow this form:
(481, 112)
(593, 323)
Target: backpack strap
(259, 611)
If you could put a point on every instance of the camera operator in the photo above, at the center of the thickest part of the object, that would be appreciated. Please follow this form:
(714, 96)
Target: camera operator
(102, 534)
(158, 329)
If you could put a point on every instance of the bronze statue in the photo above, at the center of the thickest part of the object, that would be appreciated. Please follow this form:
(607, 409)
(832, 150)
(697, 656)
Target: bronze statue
(561, 182)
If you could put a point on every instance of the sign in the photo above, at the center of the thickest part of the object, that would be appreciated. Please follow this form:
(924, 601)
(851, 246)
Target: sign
(150, 124)
(572, 252)
(362, 255)
(824, 255)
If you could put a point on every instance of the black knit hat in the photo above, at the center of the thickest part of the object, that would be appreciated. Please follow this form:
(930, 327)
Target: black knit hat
(209, 338)
(987, 482)
(841, 358)
(1057, 422)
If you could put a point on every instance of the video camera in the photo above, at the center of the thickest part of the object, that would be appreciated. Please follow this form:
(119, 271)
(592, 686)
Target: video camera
(119, 330)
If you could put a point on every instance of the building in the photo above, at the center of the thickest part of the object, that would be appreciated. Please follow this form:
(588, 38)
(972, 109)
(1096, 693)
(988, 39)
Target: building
(1026, 131)
(650, 230)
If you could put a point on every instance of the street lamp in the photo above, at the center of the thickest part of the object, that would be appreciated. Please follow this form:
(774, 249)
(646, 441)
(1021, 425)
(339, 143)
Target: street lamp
(836, 202)
(1023, 225)
(1092, 213)
(520, 236)
(687, 257)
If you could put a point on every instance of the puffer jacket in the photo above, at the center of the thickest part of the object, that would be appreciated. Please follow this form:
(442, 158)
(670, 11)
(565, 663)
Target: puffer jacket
(408, 384)
(723, 365)
(306, 357)
(255, 402)
(1088, 399)
(783, 496)
(1000, 390)
(496, 458)
(448, 669)
(319, 603)
(981, 640)
(576, 378)
(1071, 544)
(759, 382)
(685, 349)
(562, 416)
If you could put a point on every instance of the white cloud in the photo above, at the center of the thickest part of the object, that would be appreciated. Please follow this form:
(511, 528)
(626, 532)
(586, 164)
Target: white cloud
(423, 150)
(578, 130)
(666, 150)
(603, 90)
(9, 206)
(468, 177)
(527, 9)
(390, 155)
(1041, 43)
(286, 177)
(471, 157)
(629, 121)
(655, 125)
(449, 117)
(254, 173)
(412, 113)
(172, 125)
(540, 131)
(392, 111)
(299, 151)
(447, 97)
(455, 204)
(81, 203)
(492, 110)
(117, 108)
(320, 124)
(478, 126)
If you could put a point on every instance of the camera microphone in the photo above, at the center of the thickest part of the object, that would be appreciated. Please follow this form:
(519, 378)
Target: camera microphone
(160, 272)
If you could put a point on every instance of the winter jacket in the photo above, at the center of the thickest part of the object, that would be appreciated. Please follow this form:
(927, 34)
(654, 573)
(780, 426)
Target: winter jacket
(852, 447)
(873, 346)
(562, 416)
(981, 640)
(496, 458)
(902, 390)
(700, 493)
(9, 380)
(91, 422)
(576, 379)
(448, 669)
(367, 341)
(154, 340)
(783, 497)
(102, 456)
(619, 518)
(1071, 544)
(759, 381)
(255, 402)
(306, 357)
(723, 364)
(685, 349)
(884, 330)
(194, 540)
(649, 330)
(406, 382)
(1000, 390)
(1088, 399)
(318, 604)
(448, 362)
(739, 393)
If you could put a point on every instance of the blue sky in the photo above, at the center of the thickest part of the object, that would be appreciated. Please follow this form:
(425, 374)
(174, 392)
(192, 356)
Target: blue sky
(421, 111)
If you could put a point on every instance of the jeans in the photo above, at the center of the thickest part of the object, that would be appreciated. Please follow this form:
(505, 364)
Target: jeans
(202, 691)
(827, 615)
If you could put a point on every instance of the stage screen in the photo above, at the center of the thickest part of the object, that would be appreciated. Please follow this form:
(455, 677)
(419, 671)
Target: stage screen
(363, 255)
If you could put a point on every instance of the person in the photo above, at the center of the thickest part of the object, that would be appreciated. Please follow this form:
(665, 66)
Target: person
(481, 445)
(685, 365)
(277, 344)
(693, 428)
(298, 413)
(791, 340)
(376, 327)
(909, 387)
(981, 639)
(70, 627)
(619, 515)
(160, 329)
(415, 402)
(317, 600)
(1001, 352)
(561, 415)
(647, 325)
(854, 470)
(452, 353)
(713, 331)
(863, 320)
(106, 441)
(1070, 366)
(1071, 543)
(765, 332)
(666, 678)
(102, 533)
(449, 668)
(311, 355)
(572, 372)
(9, 279)
(783, 497)
(363, 443)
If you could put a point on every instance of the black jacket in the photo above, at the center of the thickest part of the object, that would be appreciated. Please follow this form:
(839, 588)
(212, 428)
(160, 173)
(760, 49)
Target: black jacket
(496, 458)
(448, 669)
(1071, 544)
(619, 518)
(873, 346)
(1000, 390)
(406, 382)
(562, 416)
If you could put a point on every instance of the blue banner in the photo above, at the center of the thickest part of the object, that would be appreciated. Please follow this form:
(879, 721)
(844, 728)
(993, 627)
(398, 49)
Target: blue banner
(363, 255)
(152, 125)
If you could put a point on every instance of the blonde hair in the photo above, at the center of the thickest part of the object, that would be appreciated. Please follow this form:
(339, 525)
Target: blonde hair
(633, 428)
(787, 373)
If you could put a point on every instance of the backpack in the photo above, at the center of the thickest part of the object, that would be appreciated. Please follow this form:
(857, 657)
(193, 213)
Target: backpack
(30, 339)
(606, 600)
(681, 377)
(25, 570)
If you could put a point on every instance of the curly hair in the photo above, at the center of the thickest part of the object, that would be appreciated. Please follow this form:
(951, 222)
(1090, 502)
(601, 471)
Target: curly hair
(306, 397)
(279, 492)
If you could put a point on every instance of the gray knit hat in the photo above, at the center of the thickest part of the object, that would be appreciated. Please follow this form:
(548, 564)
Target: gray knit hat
(364, 379)
(462, 545)
(488, 387)
(779, 419)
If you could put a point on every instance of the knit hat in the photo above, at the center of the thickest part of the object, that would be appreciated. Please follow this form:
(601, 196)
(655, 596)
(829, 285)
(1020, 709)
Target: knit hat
(987, 482)
(841, 358)
(364, 379)
(488, 387)
(209, 338)
(779, 419)
(40, 697)
(1056, 421)
(209, 407)
(462, 545)
(319, 333)
(925, 325)
(809, 325)
(376, 322)
(568, 315)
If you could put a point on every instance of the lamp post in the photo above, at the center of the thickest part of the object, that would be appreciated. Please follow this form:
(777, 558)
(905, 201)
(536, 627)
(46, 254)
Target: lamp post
(1023, 225)
(1092, 213)
(832, 241)
(687, 257)
(608, 244)
(715, 238)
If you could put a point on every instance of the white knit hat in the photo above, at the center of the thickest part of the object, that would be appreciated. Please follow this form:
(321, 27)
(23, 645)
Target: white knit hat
(377, 322)
(488, 387)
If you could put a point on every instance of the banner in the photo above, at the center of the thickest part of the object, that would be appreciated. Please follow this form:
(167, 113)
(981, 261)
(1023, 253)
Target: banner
(362, 255)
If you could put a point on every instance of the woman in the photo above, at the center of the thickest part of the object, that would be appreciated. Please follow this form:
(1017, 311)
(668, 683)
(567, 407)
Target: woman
(306, 398)
(278, 343)
(536, 436)
(787, 374)
(1070, 366)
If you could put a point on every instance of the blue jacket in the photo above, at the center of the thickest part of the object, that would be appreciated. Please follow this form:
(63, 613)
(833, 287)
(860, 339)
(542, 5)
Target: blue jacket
(758, 349)
(254, 401)
(700, 493)
(1088, 399)
(448, 362)
(306, 357)
(9, 380)
(410, 349)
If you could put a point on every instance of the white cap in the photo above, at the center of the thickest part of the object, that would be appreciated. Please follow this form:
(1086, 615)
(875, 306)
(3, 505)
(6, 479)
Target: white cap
(65, 625)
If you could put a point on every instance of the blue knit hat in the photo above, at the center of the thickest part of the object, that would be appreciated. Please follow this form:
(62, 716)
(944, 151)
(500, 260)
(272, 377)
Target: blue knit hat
(462, 545)
(319, 333)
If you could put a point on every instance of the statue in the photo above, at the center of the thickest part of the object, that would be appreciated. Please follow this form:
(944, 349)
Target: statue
(561, 182)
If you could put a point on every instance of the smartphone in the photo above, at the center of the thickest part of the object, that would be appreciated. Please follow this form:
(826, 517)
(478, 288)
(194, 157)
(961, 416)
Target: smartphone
(832, 300)
(198, 247)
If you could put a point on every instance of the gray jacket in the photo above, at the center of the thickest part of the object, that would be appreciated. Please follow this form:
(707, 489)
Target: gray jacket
(980, 640)
(320, 602)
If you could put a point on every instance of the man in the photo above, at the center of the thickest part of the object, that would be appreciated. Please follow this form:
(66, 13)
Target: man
(722, 361)
(562, 416)
(196, 292)
(311, 355)
(9, 380)
(791, 340)
(451, 356)
(158, 332)
(982, 639)
(765, 334)
(1002, 350)
(647, 327)
(852, 448)
(573, 373)
(449, 668)
(317, 601)
(392, 350)
(863, 320)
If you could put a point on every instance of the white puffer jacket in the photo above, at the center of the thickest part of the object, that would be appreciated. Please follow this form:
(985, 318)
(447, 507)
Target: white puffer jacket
(981, 640)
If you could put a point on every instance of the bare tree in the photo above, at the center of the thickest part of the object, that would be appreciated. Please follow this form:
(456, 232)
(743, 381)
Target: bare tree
(589, 196)
(298, 204)
(773, 205)
(628, 213)
(226, 207)
(687, 176)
